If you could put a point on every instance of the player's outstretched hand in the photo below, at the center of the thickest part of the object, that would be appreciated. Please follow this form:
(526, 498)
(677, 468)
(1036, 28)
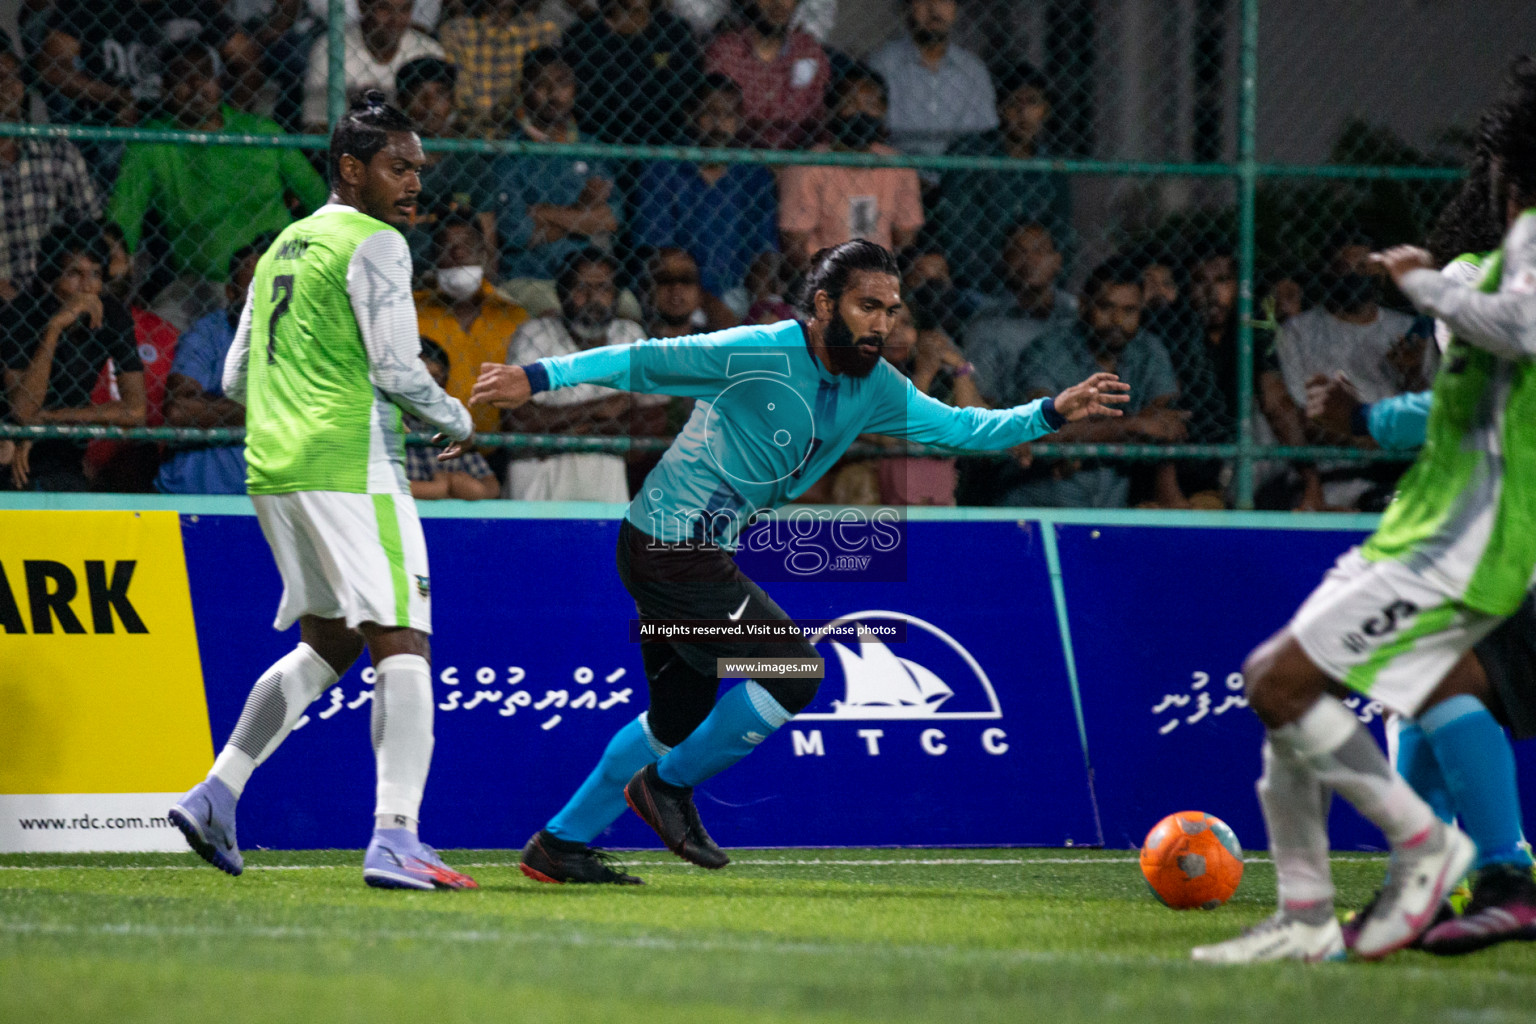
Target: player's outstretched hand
(1400, 259)
(503, 386)
(455, 448)
(1096, 396)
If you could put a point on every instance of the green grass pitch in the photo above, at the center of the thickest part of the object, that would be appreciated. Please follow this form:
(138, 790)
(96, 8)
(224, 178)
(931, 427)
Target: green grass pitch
(787, 935)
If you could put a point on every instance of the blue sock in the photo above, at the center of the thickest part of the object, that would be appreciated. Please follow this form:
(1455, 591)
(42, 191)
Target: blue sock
(1416, 763)
(600, 800)
(1479, 769)
(742, 719)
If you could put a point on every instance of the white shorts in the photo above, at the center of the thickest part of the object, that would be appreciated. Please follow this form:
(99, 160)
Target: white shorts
(1386, 631)
(358, 557)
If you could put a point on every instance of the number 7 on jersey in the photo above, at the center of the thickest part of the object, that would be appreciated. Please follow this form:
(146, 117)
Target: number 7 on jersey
(281, 285)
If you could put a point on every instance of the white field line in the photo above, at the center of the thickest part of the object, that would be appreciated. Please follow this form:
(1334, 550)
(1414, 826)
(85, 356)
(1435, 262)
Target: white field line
(649, 865)
(1004, 957)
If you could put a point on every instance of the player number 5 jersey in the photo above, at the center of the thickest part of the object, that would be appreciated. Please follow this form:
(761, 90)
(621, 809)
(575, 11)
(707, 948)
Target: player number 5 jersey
(1465, 513)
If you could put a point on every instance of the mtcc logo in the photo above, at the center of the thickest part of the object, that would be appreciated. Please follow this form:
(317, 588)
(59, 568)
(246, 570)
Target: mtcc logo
(933, 679)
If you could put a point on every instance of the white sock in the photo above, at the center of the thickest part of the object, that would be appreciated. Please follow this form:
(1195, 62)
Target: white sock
(1345, 758)
(276, 702)
(1295, 808)
(395, 821)
(402, 736)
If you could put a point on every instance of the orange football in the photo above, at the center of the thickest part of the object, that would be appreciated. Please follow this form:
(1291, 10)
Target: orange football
(1192, 859)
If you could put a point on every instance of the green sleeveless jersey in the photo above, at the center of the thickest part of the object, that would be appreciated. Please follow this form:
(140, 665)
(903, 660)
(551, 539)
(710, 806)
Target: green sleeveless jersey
(331, 357)
(1465, 513)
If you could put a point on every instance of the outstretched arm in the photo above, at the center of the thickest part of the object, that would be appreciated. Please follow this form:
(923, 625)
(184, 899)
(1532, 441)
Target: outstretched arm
(1401, 421)
(1503, 322)
(916, 416)
(697, 366)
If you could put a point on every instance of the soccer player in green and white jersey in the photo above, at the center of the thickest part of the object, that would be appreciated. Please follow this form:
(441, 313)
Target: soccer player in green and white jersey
(1456, 754)
(1453, 557)
(325, 358)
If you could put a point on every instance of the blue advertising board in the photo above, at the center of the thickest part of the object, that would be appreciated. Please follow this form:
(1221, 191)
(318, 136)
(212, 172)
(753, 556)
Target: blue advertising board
(535, 671)
(1064, 678)
(1177, 611)
(1163, 617)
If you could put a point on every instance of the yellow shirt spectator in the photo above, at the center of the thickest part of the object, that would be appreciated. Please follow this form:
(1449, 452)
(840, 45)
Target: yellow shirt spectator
(484, 340)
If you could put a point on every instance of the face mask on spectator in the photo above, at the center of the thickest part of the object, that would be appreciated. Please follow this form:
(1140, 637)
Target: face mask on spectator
(858, 131)
(459, 283)
(1351, 291)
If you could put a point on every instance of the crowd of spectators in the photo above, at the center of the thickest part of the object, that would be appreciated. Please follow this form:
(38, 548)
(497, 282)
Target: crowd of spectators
(125, 265)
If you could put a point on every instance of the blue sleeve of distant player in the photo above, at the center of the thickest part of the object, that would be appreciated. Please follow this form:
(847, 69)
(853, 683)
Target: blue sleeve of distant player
(697, 366)
(1400, 421)
(911, 414)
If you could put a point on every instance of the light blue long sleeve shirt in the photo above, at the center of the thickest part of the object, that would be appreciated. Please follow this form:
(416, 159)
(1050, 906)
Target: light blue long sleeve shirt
(769, 420)
(1400, 421)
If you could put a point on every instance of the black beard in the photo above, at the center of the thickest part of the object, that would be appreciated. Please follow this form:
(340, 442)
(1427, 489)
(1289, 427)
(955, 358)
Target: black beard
(843, 354)
(1216, 316)
(928, 37)
(585, 326)
(1350, 293)
(1169, 320)
(1112, 342)
(674, 321)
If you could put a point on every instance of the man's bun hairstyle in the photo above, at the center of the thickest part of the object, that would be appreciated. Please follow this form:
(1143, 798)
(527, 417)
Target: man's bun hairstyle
(832, 267)
(363, 130)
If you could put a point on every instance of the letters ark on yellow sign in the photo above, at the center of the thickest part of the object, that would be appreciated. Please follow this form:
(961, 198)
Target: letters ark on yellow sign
(101, 687)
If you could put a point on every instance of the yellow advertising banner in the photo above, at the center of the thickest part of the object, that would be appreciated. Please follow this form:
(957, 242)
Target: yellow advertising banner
(101, 686)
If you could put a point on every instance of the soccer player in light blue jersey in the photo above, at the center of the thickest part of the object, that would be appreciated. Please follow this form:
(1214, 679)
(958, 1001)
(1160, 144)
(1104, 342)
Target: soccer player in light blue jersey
(776, 406)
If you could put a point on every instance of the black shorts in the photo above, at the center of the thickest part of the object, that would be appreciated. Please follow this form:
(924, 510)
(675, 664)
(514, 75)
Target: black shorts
(699, 582)
(1508, 657)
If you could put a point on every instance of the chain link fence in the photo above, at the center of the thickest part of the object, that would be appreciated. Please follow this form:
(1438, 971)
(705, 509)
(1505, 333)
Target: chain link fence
(1182, 191)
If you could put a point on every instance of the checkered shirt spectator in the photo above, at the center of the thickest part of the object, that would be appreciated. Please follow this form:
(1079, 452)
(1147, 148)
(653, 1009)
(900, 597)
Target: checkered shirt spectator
(489, 55)
(48, 183)
(783, 101)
